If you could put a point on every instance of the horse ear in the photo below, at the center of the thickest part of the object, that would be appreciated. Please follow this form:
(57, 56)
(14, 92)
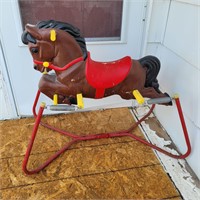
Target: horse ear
(34, 31)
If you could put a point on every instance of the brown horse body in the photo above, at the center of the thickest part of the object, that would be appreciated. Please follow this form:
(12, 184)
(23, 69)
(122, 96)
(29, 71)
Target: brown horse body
(72, 81)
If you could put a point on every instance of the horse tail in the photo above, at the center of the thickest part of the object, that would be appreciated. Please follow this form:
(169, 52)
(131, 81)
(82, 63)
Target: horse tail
(152, 65)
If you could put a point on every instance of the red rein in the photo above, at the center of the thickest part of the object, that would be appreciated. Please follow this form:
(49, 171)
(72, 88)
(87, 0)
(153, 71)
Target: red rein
(51, 66)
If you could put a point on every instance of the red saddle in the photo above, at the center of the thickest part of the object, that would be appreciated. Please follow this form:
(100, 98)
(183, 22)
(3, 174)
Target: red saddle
(103, 75)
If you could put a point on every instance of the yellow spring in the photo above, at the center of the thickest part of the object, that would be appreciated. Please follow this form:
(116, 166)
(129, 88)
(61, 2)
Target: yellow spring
(139, 98)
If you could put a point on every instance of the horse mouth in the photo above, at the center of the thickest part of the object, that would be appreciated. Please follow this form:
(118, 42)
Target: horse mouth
(41, 69)
(44, 69)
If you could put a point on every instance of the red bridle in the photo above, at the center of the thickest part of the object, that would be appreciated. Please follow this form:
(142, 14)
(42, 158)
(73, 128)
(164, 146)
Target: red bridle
(56, 68)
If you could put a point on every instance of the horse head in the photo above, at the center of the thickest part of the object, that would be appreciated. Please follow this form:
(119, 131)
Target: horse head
(53, 42)
(40, 45)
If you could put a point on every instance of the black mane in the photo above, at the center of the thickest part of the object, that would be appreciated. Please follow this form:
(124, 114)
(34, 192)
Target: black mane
(75, 32)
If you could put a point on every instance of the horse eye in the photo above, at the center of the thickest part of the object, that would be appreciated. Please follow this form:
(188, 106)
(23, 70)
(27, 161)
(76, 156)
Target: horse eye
(34, 50)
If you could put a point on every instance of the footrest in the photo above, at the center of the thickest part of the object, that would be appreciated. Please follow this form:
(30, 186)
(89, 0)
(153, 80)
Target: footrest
(139, 98)
(55, 99)
(80, 102)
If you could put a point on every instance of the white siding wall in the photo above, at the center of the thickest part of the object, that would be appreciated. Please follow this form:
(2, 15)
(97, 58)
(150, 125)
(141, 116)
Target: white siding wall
(174, 38)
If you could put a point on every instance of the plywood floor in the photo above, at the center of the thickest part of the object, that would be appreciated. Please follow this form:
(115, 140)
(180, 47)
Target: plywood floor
(118, 168)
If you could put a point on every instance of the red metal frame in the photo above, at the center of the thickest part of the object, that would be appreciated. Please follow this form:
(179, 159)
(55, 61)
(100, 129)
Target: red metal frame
(76, 138)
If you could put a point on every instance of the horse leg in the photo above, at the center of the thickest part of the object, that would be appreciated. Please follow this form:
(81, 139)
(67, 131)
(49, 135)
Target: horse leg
(49, 86)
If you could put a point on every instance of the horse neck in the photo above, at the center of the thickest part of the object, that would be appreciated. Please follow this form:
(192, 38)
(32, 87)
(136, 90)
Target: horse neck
(67, 49)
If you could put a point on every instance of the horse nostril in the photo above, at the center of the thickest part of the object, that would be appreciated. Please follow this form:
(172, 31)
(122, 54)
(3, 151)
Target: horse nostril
(35, 67)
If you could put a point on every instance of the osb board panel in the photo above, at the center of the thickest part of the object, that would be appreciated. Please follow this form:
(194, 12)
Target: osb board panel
(138, 183)
(14, 134)
(106, 168)
(78, 162)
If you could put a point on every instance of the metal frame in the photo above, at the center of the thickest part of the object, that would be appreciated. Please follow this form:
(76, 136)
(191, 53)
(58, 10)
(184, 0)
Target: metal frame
(77, 138)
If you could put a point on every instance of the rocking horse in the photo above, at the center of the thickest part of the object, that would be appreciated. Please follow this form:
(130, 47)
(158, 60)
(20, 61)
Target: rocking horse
(60, 47)
(92, 79)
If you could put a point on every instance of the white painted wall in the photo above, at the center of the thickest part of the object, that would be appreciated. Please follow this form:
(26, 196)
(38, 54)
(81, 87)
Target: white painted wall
(174, 38)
